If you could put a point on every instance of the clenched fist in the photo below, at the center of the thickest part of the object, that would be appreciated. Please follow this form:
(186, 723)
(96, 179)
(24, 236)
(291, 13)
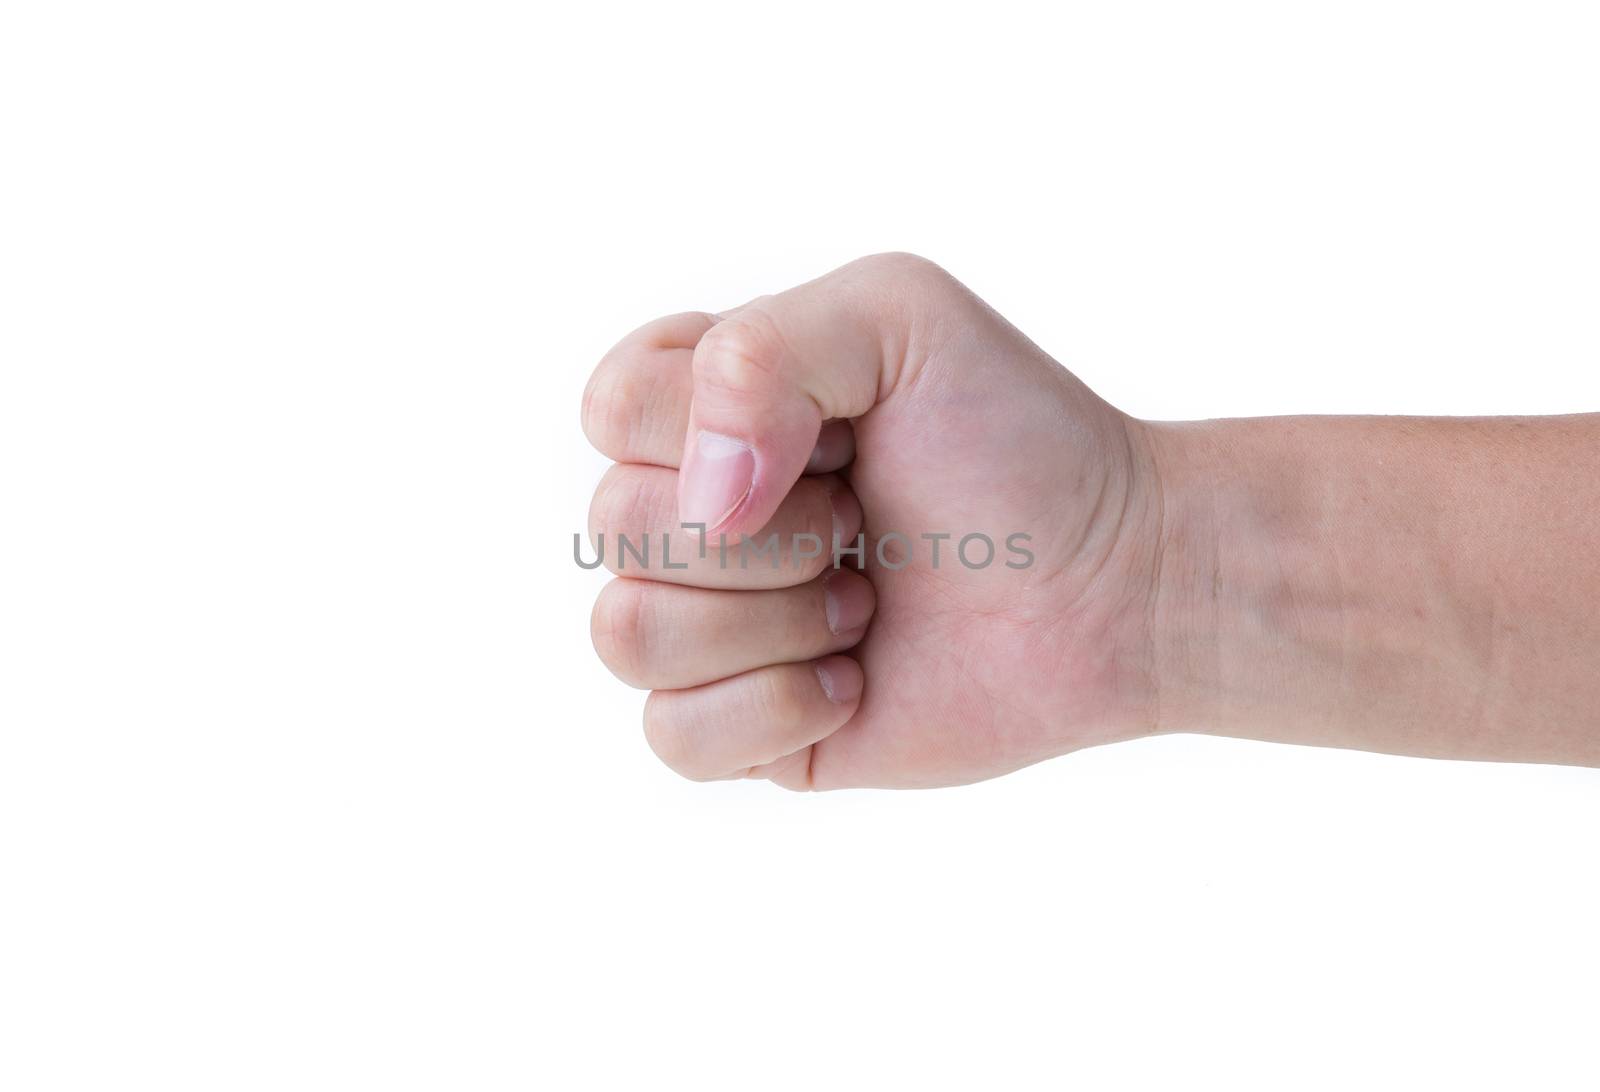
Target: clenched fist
(881, 400)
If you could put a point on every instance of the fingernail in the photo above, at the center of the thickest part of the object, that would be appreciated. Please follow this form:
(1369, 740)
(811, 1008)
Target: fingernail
(720, 473)
(840, 677)
(847, 601)
(846, 512)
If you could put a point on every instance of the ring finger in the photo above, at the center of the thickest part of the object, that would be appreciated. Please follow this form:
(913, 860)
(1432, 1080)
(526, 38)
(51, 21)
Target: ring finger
(665, 636)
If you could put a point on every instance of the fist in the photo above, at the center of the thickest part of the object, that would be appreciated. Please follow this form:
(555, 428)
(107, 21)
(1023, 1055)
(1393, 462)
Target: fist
(992, 598)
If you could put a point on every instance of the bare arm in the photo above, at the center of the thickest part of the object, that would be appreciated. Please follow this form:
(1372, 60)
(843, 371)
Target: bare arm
(1423, 586)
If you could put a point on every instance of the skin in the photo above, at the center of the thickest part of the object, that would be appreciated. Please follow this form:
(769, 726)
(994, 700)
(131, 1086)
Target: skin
(1411, 585)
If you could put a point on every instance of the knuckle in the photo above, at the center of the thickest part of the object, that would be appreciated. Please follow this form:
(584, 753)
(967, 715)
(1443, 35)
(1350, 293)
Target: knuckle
(619, 628)
(619, 503)
(908, 287)
(739, 352)
(668, 738)
(776, 699)
(594, 395)
(621, 407)
(614, 405)
(659, 733)
(902, 267)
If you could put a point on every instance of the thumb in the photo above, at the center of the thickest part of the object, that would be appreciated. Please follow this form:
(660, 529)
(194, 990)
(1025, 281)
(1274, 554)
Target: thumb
(769, 374)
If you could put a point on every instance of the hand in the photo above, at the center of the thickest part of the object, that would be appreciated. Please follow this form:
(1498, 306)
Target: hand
(886, 398)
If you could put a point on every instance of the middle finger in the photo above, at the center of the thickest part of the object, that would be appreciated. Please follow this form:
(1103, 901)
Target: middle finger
(633, 525)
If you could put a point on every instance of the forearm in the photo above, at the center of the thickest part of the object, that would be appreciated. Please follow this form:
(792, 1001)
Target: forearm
(1425, 586)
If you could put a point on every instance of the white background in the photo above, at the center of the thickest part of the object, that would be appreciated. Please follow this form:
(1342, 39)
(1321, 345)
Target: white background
(308, 776)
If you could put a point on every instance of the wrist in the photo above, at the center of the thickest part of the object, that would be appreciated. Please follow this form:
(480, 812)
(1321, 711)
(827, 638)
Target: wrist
(1249, 618)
